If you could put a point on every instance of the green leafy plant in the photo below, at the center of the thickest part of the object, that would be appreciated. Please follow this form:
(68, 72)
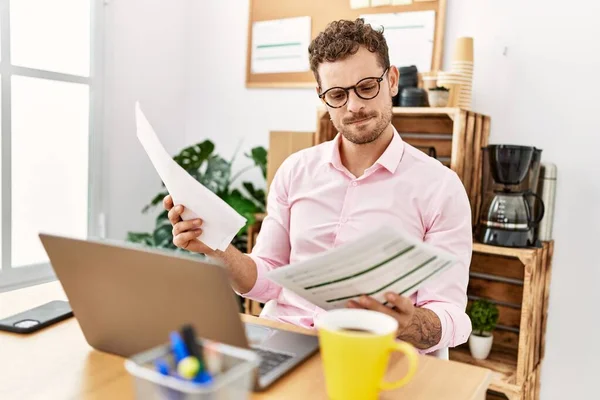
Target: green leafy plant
(484, 316)
(214, 172)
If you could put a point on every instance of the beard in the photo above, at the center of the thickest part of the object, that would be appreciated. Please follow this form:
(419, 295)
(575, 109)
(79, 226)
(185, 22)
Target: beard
(363, 134)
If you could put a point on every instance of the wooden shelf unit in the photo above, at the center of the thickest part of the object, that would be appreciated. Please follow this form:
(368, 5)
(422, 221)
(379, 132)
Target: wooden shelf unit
(518, 281)
(456, 135)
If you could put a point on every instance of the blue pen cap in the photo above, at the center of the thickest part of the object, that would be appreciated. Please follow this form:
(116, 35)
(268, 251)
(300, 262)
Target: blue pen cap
(204, 377)
(178, 347)
(162, 366)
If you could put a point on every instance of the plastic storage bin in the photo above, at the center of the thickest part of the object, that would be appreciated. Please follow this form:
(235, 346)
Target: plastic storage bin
(234, 379)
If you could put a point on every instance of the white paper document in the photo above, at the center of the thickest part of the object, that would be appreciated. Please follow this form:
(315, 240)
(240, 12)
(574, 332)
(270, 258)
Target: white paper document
(281, 45)
(385, 260)
(220, 222)
(379, 3)
(354, 4)
(409, 36)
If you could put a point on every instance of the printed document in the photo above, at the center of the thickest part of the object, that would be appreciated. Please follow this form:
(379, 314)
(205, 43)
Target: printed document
(409, 36)
(385, 260)
(281, 45)
(220, 222)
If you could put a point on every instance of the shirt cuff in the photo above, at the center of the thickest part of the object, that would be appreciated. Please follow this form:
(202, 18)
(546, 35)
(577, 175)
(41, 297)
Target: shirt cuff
(263, 289)
(447, 326)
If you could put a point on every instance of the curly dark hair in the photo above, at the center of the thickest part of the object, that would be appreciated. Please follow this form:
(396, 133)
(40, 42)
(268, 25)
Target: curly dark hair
(343, 38)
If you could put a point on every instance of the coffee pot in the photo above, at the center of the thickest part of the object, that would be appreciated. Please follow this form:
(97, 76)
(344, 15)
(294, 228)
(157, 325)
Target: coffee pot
(511, 210)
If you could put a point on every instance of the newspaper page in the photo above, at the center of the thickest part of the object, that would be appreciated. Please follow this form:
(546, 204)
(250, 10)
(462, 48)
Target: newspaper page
(384, 260)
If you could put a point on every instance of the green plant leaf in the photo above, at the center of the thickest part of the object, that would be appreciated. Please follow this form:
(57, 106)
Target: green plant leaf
(243, 206)
(157, 199)
(163, 235)
(217, 174)
(257, 194)
(191, 158)
(259, 156)
(484, 315)
(140, 237)
(162, 218)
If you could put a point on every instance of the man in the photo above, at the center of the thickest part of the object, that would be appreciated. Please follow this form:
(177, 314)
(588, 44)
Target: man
(329, 194)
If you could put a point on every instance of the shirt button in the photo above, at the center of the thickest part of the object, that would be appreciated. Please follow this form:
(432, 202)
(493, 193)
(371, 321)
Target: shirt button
(344, 220)
(354, 183)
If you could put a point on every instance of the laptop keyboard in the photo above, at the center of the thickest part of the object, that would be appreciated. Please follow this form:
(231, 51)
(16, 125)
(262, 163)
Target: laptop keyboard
(270, 360)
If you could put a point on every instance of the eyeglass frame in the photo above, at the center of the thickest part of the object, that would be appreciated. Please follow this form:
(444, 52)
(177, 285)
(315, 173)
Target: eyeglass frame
(354, 87)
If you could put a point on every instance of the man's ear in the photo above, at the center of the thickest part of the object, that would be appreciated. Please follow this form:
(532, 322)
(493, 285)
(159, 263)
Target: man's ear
(318, 88)
(393, 77)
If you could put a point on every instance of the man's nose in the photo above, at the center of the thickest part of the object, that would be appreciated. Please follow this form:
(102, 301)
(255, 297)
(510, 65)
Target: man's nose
(355, 103)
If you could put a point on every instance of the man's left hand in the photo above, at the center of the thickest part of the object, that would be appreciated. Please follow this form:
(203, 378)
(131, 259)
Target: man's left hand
(402, 311)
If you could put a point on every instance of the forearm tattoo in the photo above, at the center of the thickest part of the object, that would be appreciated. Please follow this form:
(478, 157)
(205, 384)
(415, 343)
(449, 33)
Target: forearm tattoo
(424, 330)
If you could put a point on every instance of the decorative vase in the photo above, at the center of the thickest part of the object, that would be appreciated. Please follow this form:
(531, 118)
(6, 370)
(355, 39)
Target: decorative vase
(480, 346)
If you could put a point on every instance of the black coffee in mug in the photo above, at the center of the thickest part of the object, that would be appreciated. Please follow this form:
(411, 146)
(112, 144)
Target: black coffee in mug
(356, 330)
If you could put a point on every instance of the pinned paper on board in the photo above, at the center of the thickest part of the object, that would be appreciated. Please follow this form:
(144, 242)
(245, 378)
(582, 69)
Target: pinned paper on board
(281, 45)
(220, 221)
(354, 4)
(379, 3)
(409, 36)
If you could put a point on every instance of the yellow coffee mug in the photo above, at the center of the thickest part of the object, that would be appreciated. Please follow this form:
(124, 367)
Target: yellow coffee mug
(355, 349)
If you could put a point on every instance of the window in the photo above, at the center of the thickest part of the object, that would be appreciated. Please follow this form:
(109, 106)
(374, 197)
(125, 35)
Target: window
(49, 96)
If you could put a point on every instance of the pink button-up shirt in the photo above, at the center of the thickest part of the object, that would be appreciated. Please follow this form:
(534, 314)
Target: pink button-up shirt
(315, 204)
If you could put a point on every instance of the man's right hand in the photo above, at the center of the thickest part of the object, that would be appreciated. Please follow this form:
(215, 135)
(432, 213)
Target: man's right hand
(185, 233)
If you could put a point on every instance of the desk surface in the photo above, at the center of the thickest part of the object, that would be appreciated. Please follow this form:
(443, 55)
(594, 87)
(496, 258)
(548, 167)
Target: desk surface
(57, 363)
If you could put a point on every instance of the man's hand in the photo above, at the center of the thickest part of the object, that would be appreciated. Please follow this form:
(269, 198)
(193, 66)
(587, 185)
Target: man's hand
(185, 233)
(419, 326)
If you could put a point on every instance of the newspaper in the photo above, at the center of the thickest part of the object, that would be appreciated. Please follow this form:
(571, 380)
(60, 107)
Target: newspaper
(384, 260)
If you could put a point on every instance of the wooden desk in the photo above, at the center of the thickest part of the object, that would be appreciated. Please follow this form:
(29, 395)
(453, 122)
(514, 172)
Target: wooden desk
(57, 363)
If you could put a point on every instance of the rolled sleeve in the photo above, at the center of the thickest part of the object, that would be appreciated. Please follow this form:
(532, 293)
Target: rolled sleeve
(449, 228)
(272, 249)
(263, 289)
(456, 325)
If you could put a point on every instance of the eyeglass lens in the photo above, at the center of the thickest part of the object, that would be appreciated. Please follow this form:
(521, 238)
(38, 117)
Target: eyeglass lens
(367, 89)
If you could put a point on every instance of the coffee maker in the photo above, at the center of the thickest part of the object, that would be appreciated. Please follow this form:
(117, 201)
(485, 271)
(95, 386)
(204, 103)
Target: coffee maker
(510, 209)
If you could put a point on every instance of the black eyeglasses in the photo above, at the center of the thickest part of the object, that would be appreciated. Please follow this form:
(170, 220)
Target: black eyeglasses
(366, 89)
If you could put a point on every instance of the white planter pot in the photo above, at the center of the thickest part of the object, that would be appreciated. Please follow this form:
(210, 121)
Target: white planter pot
(480, 346)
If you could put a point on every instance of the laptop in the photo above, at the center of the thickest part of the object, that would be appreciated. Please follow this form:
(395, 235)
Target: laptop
(127, 298)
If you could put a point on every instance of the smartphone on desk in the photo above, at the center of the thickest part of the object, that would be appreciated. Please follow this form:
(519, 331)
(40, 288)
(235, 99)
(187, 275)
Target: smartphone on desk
(37, 318)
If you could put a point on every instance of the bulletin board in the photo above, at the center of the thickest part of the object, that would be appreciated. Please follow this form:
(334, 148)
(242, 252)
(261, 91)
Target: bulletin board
(321, 13)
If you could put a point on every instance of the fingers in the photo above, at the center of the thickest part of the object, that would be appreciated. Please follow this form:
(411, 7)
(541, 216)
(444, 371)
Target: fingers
(168, 202)
(372, 304)
(353, 304)
(175, 214)
(183, 239)
(401, 304)
(184, 226)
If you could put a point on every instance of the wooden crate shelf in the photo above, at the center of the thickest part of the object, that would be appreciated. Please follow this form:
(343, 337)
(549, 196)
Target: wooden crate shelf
(504, 376)
(518, 281)
(455, 134)
(503, 366)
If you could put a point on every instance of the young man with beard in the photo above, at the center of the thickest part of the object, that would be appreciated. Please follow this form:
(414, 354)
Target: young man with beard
(332, 193)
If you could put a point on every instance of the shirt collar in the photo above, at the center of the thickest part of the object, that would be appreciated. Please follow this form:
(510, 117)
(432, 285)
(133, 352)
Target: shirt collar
(390, 159)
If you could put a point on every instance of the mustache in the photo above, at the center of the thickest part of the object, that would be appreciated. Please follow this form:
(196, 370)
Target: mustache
(358, 117)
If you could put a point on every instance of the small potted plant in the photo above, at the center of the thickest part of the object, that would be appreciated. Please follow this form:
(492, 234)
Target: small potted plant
(484, 317)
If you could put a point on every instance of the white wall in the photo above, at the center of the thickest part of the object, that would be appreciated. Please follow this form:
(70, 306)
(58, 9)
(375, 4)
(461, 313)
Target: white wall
(146, 59)
(191, 58)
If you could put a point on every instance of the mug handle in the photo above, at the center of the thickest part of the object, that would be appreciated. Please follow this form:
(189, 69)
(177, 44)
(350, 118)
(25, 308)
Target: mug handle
(413, 358)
